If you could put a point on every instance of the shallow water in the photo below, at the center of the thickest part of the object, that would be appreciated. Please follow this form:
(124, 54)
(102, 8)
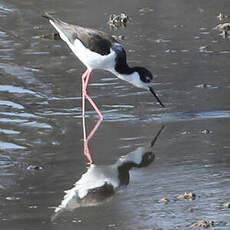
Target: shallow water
(40, 115)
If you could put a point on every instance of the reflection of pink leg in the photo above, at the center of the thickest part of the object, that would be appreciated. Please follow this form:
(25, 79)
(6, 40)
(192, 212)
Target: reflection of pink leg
(85, 81)
(86, 141)
(94, 129)
(86, 148)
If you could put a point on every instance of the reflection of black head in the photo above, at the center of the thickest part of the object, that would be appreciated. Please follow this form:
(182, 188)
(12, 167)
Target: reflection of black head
(147, 159)
(125, 166)
(141, 157)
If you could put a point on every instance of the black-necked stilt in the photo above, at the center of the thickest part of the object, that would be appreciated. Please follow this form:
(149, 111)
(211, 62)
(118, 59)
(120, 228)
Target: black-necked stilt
(100, 182)
(99, 50)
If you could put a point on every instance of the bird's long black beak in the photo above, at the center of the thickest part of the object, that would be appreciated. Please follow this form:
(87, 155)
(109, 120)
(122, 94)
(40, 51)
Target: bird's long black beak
(154, 94)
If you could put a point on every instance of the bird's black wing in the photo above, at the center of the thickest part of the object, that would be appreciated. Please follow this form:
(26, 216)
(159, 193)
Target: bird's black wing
(94, 40)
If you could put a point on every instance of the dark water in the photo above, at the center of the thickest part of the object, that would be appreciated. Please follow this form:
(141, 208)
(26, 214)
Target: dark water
(40, 115)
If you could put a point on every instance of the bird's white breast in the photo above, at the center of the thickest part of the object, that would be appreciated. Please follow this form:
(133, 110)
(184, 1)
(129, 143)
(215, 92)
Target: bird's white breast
(92, 59)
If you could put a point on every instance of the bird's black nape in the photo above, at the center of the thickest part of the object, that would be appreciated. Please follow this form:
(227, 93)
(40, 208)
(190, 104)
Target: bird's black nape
(154, 94)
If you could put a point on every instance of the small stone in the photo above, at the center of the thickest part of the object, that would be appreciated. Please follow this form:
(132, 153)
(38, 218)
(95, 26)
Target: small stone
(178, 26)
(185, 132)
(203, 48)
(71, 70)
(224, 28)
(203, 224)
(145, 10)
(119, 20)
(164, 200)
(55, 143)
(34, 167)
(13, 198)
(226, 205)
(204, 85)
(206, 131)
(221, 16)
(33, 206)
(187, 196)
(118, 37)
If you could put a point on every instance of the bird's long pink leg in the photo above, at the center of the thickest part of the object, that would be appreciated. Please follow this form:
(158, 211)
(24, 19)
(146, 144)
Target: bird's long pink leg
(84, 75)
(88, 97)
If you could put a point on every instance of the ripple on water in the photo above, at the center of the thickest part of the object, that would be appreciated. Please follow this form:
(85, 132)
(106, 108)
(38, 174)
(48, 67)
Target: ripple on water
(16, 114)
(118, 106)
(161, 41)
(5, 162)
(6, 45)
(29, 52)
(8, 146)
(18, 90)
(22, 73)
(225, 52)
(184, 116)
(11, 104)
(9, 132)
(12, 120)
(5, 10)
(113, 115)
(37, 125)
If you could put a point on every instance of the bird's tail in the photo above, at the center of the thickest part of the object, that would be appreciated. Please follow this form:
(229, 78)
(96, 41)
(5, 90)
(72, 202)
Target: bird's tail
(50, 17)
(65, 30)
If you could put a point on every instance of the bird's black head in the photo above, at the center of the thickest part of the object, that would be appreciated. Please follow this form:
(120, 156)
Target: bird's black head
(146, 78)
(145, 75)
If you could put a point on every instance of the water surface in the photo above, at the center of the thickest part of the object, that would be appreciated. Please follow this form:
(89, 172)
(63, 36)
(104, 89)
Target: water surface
(40, 115)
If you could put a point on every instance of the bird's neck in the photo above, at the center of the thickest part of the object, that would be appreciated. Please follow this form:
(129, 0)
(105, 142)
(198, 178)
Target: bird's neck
(121, 67)
(122, 70)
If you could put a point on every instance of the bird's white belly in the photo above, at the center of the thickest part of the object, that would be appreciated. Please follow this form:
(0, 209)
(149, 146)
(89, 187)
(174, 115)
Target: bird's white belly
(90, 59)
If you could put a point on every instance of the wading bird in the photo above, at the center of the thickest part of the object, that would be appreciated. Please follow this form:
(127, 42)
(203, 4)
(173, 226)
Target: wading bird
(99, 50)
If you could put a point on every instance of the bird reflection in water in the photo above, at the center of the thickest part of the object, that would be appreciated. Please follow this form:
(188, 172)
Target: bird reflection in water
(99, 184)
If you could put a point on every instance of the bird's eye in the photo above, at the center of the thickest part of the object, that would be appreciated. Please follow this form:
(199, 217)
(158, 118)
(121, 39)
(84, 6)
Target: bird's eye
(148, 78)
